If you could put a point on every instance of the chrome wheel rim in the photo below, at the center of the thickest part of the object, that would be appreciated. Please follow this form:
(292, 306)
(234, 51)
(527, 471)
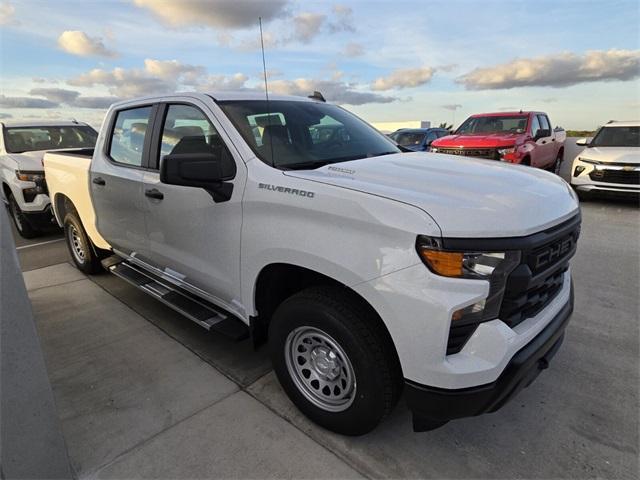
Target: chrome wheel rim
(75, 242)
(320, 368)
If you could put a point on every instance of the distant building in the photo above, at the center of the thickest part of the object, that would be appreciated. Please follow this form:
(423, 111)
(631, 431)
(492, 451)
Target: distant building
(425, 124)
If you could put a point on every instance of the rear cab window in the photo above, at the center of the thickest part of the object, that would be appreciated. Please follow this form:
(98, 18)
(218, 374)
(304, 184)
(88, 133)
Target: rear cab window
(127, 140)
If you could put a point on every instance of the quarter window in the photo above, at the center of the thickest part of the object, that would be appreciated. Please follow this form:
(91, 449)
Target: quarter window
(127, 138)
(187, 130)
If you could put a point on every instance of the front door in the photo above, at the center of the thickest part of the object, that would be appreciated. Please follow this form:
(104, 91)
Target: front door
(116, 181)
(193, 240)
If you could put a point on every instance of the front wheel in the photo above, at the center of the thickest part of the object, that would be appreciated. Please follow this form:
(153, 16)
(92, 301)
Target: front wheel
(333, 360)
(557, 164)
(82, 251)
(20, 219)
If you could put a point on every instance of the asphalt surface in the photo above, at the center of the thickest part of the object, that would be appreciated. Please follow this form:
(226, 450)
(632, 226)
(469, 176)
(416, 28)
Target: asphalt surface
(579, 419)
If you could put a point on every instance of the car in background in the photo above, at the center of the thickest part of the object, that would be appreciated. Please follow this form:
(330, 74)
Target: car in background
(610, 161)
(418, 139)
(520, 137)
(24, 189)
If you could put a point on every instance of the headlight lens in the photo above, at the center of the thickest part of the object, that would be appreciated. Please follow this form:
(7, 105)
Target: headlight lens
(505, 151)
(494, 267)
(36, 177)
(434, 149)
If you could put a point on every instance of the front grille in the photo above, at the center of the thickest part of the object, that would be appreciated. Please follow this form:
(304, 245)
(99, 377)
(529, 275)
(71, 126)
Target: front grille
(488, 153)
(616, 176)
(533, 284)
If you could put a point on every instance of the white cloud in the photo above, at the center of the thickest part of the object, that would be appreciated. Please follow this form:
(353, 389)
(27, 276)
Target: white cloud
(223, 82)
(405, 78)
(332, 90)
(558, 70)
(452, 106)
(79, 43)
(353, 49)
(342, 19)
(214, 13)
(7, 11)
(307, 26)
(58, 95)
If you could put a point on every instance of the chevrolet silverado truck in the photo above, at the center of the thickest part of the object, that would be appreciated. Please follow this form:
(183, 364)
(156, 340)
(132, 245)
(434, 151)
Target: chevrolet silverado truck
(610, 161)
(514, 137)
(24, 188)
(366, 271)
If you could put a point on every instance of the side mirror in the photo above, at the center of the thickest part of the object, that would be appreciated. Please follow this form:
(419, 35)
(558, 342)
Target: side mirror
(583, 142)
(201, 170)
(541, 133)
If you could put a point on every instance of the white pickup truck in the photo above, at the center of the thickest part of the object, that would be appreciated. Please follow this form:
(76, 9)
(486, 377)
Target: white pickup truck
(24, 187)
(368, 271)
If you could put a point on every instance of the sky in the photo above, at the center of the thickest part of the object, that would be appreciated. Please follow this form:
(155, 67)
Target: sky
(393, 63)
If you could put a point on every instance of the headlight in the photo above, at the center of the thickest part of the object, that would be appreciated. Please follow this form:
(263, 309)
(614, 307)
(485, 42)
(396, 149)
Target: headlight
(506, 151)
(25, 176)
(434, 150)
(493, 267)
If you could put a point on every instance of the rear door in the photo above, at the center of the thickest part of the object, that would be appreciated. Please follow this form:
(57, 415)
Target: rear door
(116, 179)
(546, 144)
(193, 240)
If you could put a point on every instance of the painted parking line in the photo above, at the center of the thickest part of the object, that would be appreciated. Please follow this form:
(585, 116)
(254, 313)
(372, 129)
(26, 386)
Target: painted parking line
(41, 243)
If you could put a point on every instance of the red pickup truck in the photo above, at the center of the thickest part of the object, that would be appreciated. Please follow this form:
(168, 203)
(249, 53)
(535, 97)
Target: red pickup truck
(515, 137)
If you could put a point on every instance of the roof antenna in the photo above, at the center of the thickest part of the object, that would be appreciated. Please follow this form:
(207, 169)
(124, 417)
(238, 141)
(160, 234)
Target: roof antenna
(266, 93)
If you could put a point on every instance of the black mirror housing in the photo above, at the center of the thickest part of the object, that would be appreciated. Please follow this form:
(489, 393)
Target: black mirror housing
(543, 132)
(202, 170)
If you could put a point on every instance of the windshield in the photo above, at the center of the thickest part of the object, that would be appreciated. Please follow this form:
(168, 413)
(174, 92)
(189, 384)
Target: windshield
(28, 139)
(617, 137)
(408, 139)
(302, 135)
(493, 124)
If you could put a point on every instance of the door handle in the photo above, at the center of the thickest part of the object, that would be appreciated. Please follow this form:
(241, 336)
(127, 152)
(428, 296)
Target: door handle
(154, 193)
(99, 181)
(543, 142)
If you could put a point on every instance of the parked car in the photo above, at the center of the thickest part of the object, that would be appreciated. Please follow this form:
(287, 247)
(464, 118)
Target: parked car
(367, 270)
(610, 162)
(514, 137)
(24, 189)
(417, 139)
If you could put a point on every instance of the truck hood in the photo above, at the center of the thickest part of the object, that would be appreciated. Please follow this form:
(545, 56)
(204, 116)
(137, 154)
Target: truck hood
(29, 160)
(466, 197)
(32, 161)
(493, 140)
(612, 154)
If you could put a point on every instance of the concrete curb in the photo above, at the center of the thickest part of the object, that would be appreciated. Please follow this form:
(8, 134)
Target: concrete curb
(31, 441)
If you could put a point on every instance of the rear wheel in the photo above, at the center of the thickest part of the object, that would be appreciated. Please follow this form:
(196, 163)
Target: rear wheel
(20, 219)
(333, 361)
(82, 251)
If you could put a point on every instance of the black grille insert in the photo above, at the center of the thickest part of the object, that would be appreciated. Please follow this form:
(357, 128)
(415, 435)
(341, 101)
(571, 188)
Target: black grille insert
(616, 176)
(488, 153)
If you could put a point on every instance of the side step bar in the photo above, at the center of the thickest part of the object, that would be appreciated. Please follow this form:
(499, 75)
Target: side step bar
(200, 311)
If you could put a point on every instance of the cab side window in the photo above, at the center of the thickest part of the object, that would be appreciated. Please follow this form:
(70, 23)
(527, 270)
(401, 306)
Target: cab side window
(187, 130)
(128, 135)
(535, 126)
(544, 123)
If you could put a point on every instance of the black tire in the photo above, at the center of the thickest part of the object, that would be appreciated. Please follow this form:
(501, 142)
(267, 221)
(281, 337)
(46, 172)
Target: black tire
(24, 227)
(341, 316)
(584, 196)
(556, 165)
(82, 251)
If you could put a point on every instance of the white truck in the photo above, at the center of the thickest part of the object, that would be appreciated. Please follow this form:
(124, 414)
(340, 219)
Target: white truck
(368, 271)
(24, 187)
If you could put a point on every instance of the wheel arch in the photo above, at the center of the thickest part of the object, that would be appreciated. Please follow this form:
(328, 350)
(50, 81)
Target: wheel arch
(61, 206)
(278, 281)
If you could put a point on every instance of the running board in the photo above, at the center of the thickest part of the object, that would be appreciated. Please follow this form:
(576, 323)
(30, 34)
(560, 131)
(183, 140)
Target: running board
(200, 311)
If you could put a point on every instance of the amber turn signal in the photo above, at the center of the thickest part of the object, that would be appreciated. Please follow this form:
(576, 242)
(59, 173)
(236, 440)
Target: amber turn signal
(448, 264)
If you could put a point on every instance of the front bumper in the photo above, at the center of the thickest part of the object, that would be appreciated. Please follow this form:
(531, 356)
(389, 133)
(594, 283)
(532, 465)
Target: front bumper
(614, 178)
(433, 406)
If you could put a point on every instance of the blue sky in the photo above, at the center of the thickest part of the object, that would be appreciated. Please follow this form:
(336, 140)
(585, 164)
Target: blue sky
(390, 62)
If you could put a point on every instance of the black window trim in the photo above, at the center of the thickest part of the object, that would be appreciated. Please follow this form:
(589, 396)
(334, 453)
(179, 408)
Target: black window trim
(147, 136)
(153, 160)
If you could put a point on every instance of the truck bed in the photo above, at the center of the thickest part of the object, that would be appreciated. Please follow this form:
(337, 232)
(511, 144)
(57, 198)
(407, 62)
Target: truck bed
(67, 174)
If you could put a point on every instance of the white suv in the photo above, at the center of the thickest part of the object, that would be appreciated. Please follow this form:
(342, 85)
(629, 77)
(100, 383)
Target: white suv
(24, 190)
(610, 162)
